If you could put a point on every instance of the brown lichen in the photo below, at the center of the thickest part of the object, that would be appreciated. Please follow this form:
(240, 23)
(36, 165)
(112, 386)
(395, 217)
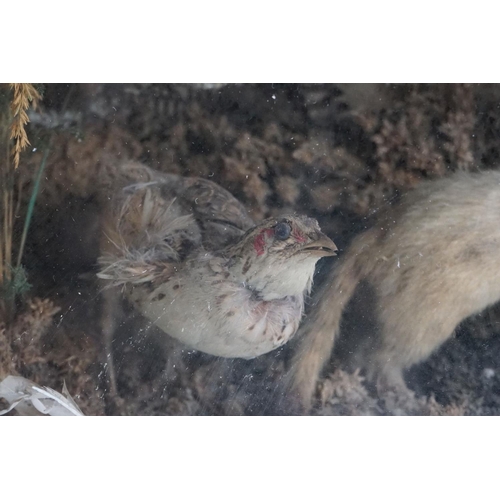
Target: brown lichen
(343, 393)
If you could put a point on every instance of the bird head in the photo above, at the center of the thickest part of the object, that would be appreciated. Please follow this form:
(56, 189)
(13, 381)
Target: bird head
(277, 257)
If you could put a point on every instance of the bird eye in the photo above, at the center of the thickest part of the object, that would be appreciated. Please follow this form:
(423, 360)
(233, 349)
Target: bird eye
(282, 230)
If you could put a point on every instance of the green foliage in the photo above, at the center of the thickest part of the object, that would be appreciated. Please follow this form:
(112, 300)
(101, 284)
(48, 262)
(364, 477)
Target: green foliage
(16, 285)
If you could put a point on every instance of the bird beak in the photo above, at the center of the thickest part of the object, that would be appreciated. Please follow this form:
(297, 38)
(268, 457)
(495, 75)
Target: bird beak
(321, 247)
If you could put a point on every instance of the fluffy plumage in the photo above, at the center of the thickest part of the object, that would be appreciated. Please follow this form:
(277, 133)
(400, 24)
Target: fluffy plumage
(194, 271)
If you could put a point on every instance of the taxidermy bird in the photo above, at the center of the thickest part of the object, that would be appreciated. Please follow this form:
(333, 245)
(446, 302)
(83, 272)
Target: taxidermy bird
(191, 260)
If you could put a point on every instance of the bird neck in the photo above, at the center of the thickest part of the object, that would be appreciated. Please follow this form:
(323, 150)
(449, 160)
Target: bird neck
(273, 277)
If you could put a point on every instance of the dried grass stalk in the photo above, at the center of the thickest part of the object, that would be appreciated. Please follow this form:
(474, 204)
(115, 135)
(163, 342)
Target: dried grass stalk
(14, 140)
(25, 95)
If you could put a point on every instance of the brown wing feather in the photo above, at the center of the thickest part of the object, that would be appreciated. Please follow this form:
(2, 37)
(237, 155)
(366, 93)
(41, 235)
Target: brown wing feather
(220, 218)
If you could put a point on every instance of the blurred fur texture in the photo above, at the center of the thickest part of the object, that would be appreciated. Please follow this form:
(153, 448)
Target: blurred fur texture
(425, 266)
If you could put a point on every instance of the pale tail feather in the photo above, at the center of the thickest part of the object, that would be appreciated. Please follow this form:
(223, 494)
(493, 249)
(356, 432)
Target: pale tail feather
(29, 398)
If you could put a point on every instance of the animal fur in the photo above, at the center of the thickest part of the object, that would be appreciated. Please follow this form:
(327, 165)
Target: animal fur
(430, 262)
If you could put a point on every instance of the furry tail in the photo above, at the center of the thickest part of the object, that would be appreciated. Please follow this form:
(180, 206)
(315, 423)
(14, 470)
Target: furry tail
(318, 332)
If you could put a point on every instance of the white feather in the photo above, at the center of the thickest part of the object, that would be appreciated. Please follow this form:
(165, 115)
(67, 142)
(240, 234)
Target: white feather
(29, 398)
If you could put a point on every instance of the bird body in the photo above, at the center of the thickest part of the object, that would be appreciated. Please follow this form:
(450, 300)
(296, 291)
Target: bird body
(202, 307)
(193, 263)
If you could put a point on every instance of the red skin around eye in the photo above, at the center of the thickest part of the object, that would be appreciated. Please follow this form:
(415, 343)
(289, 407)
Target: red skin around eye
(298, 236)
(259, 243)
